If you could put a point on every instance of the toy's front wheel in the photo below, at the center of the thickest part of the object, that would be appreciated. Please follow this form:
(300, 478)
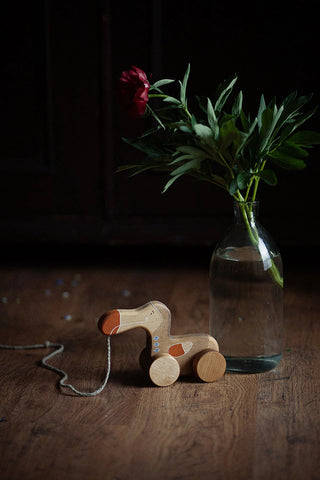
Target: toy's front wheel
(164, 370)
(209, 365)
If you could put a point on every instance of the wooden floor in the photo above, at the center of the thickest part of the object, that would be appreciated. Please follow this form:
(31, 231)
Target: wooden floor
(264, 426)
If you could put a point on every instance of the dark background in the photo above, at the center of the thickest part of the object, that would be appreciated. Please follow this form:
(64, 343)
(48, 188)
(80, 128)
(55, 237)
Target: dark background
(61, 129)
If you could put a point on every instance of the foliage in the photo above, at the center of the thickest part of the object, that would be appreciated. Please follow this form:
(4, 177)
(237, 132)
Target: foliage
(226, 147)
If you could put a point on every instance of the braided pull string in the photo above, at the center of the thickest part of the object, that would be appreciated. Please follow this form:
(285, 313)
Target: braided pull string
(59, 348)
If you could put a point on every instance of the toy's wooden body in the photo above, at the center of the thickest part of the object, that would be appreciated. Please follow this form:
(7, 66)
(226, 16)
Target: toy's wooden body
(166, 356)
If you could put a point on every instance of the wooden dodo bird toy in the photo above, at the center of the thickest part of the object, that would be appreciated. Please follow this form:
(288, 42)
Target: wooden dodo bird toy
(165, 356)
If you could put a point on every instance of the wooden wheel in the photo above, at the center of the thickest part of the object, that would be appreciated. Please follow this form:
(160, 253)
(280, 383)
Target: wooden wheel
(209, 365)
(164, 370)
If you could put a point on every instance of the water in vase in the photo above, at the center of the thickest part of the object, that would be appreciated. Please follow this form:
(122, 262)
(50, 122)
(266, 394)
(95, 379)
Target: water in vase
(246, 309)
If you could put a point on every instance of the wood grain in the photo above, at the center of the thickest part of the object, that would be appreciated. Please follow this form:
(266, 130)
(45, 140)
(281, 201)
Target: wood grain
(262, 426)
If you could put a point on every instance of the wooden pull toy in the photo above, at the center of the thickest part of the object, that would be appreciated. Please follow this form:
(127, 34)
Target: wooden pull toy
(165, 356)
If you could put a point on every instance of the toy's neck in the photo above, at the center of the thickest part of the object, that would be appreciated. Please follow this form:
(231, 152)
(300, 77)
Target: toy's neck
(153, 317)
(162, 326)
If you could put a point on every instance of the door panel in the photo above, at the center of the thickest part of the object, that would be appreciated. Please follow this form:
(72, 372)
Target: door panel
(61, 129)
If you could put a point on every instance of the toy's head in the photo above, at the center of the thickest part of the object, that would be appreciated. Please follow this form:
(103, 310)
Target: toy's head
(149, 316)
(109, 322)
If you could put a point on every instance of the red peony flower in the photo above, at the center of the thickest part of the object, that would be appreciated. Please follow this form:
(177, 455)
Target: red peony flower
(133, 91)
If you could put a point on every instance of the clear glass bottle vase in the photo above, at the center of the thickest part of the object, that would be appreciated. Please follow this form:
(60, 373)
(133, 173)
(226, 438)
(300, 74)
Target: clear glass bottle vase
(246, 294)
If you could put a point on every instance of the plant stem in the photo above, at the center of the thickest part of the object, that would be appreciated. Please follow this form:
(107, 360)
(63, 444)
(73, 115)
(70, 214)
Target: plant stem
(248, 189)
(257, 180)
(157, 95)
(187, 111)
(162, 95)
(246, 211)
(255, 188)
(226, 164)
(252, 231)
(155, 117)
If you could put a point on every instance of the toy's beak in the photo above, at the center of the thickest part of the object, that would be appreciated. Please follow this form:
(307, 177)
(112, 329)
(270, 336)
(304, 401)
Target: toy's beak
(109, 322)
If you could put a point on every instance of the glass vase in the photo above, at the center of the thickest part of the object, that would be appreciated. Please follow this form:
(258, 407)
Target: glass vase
(246, 294)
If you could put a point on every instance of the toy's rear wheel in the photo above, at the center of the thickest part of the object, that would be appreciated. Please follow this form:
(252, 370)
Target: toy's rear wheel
(209, 365)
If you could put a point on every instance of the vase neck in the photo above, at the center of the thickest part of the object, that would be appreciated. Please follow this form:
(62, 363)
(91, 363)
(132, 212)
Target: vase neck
(246, 211)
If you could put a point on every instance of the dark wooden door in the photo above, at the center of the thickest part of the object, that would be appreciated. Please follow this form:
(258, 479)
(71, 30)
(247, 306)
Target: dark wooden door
(61, 129)
(50, 156)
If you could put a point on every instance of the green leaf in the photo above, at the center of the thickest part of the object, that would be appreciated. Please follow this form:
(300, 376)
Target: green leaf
(203, 102)
(302, 101)
(237, 106)
(262, 108)
(152, 131)
(181, 125)
(286, 132)
(141, 170)
(156, 117)
(181, 158)
(124, 168)
(219, 180)
(265, 122)
(215, 179)
(228, 134)
(193, 151)
(286, 161)
(160, 83)
(305, 138)
(291, 114)
(244, 121)
(223, 92)
(184, 128)
(145, 145)
(193, 121)
(269, 122)
(183, 86)
(204, 132)
(172, 100)
(243, 179)
(290, 101)
(293, 150)
(233, 187)
(268, 176)
(186, 167)
(289, 163)
(212, 119)
(249, 146)
(226, 118)
(170, 182)
(303, 118)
